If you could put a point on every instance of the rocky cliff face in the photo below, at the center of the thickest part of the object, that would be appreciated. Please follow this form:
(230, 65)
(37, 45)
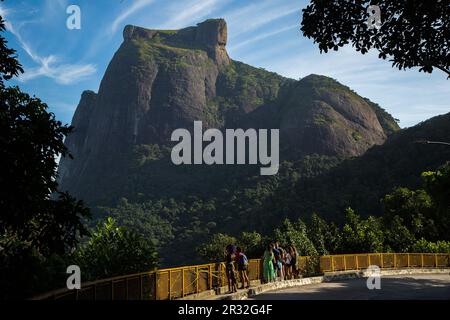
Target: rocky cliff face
(160, 80)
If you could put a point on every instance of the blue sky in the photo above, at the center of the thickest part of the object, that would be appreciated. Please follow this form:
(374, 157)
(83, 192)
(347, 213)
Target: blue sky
(61, 63)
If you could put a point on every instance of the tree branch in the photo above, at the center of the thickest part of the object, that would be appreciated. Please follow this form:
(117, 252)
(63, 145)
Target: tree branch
(444, 70)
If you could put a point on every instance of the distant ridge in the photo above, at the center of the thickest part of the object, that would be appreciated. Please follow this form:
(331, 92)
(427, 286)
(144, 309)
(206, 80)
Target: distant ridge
(160, 80)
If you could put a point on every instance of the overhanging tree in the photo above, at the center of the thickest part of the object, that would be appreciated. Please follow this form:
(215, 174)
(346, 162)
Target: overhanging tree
(37, 222)
(414, 33)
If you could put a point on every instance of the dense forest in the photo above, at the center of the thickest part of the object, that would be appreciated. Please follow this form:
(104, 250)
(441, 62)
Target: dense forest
(409, 220)
(319, 184)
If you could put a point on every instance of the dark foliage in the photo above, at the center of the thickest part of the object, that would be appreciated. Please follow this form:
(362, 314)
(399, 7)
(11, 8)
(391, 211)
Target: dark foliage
(9, 65)
(113, 250)
(38, 224)
(412, 34)
(410, 223)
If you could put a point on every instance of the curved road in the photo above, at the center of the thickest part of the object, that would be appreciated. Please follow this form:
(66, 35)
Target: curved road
(423, 286)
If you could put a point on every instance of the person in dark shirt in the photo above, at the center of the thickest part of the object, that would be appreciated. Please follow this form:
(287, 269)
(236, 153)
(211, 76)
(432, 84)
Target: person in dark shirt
(294, 260)
(230, 256)
(242, 263)
(279, 256)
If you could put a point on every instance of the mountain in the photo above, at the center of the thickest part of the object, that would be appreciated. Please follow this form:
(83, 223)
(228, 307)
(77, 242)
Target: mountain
(361, 182)
(161, 80)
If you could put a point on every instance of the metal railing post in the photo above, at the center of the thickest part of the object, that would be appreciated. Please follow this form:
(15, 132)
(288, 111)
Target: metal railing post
(183, 291)
(222, 281)
(170, 285)
(112, 290)
(210, 285)
(156, 286)
(141, 293)
(197, 274)
(258, 270)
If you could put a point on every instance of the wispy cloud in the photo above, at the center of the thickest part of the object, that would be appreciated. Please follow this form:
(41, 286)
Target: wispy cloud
(192, 12)
(3, 12)
(261, 56)
(48, 65)
(137, 5)
(63, 73)
(262, 37)
(255, 15)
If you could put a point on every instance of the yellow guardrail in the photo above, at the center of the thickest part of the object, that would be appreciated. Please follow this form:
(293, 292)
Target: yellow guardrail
(344, 262)
(174, 283)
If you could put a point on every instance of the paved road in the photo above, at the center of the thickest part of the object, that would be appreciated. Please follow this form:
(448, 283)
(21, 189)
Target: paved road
(426, 286)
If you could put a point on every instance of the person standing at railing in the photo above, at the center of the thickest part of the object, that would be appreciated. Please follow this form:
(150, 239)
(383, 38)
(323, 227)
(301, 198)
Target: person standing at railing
(287, 264)
(268, 264)
(242, 263)
(294, 260)
(279, 256)
(230, 256)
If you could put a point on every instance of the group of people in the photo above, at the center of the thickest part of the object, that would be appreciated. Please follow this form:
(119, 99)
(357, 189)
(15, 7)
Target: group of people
(278, 263)
(235, 256)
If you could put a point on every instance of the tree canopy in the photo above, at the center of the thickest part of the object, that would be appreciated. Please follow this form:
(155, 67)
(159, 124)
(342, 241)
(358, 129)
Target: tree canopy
(9, 65)
(37, 222)
(412, 33)
(412, 221)
(113, 250)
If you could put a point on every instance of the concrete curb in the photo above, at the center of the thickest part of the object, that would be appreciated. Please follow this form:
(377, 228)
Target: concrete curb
(283, 285)
(213, 294)
(327, 277)
(205, 295)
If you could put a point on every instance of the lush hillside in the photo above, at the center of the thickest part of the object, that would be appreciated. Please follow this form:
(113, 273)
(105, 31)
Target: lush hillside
(160, 80)
(362, 181)
(321, 184)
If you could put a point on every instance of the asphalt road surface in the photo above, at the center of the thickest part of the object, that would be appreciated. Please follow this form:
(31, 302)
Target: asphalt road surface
(417, 287)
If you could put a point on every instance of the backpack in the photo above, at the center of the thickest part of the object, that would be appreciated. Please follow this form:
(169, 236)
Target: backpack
(243, 260)
(276, 253)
